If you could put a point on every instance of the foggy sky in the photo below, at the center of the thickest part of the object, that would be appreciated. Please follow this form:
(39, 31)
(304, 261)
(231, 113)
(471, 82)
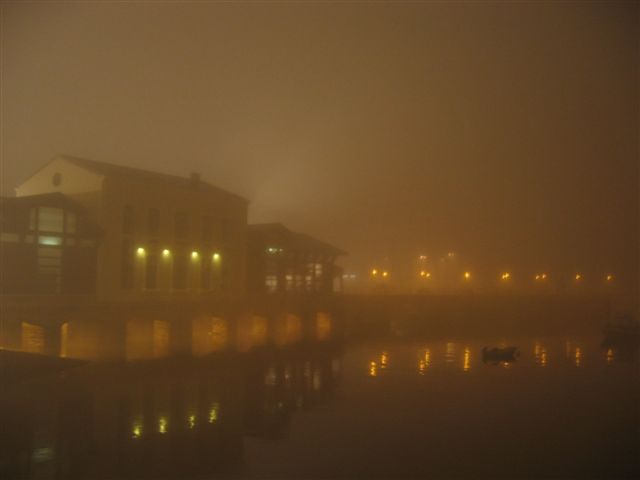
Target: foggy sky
(507, 133)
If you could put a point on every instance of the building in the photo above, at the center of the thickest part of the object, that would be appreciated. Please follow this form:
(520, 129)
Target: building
(163, 237)
(283, 261)
(101, 261)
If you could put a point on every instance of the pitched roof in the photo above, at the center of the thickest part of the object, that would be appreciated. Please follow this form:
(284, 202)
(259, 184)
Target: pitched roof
(295, 241)
(111, 169)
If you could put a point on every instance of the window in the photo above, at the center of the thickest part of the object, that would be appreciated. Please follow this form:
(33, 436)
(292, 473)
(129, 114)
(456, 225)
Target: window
(182, 225)
(153, 225)
(225, 230)
(207, 230)
(127, 219)
(206, 273)
(271, 282)
(151, 269)
(180, 269)
(126, 266)
(289, 283)
(50, 219)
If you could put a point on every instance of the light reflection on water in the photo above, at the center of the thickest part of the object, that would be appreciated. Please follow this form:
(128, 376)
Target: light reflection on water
(312, 406)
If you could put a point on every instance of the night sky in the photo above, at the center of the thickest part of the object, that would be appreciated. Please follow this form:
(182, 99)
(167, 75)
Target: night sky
(507, 133)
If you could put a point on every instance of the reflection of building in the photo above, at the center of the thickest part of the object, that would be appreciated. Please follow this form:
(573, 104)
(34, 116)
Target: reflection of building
(282, 261)
(162, 235)
(166, 419)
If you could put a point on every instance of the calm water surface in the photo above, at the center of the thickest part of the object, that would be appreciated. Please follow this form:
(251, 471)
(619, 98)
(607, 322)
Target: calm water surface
(566, 408)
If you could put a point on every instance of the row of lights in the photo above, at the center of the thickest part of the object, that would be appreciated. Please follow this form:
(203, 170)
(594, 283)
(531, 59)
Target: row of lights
(505, 276)
(383, 273)
(166, 253)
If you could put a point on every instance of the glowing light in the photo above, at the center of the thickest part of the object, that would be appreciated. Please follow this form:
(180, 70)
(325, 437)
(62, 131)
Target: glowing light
(578, 356)
(162, 425)
(466, 364)
(374, 272)
(136, 431)
(537, 277)
(467, 275)
(373, 369)
(422, 257)
(421, 367)
(194, 255)
(384, 359)
(216, 257)
(543, 276)
(166, 252)
(506, 276)
(140, 251)
(191, 421)
(385, 273)
(609, 278)
(451, 254)
(423, 273)
(578, 277)
(609, 356)
(540, 354)
(213, 412)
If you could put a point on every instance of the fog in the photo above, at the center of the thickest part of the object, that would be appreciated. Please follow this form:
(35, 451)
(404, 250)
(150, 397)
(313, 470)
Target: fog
(507, 133)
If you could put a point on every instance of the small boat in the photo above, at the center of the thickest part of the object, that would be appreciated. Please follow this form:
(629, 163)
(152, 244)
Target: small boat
(506, 354)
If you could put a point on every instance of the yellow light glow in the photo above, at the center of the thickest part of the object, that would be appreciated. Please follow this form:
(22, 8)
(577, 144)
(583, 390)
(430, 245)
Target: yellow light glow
(467, 275)
(140, 251)
(537, 277)
(374, 272)
(423, 273)
(578, 277)
(466, 365)
(373, 369)
(422, 257)
(385, 273)
(191, 421)
(506, 276)
(428, 275)
(194, 255)
(136, 431)
(166, 252)
(543, 276)
(384, 359)
(609, 278)
(213, 412)
(609, 356)
(216, 257)
(451, 254)
(421, 367)
(578, 356)
(162, 425)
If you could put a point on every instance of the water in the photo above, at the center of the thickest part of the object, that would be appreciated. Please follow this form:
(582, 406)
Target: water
(385, 408)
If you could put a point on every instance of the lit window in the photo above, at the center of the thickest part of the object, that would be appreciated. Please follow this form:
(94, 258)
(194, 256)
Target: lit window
(50, 219)
(52, 241)
(271, 282)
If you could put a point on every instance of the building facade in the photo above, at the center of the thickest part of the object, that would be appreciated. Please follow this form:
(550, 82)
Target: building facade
(163, 237)
(283, 261)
